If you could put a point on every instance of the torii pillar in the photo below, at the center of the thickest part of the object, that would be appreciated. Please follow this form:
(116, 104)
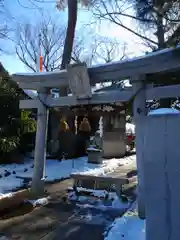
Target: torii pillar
(139, 115)
(37, 187)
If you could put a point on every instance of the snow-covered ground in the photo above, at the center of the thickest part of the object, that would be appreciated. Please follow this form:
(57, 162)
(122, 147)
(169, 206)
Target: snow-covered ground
(112, 203)
(11, 176)
(128, 227)
(98, 210)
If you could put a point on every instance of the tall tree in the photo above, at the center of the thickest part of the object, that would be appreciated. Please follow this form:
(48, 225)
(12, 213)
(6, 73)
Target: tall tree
(72, 6)
(100, 49)
(160, 19)
(163, 17)
(156, 23)
(11, 126)
(108, 50)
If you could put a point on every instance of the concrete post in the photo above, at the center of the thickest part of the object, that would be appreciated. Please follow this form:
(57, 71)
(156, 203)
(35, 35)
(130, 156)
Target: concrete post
(37, 186)
(114, 139)
(139, 115)
(162, 176)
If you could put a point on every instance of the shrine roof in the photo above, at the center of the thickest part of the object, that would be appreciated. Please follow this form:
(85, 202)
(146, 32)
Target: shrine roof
(161, 61)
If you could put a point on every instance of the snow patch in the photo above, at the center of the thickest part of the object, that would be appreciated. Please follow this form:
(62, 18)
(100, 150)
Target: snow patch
(130, 129)
(104, 206)
(113, 201)
(128, 227)
(39, 202)
(163, 111)
(20, 174)
(7, 195)
(96, 193)
(108, 166)
(93, 149)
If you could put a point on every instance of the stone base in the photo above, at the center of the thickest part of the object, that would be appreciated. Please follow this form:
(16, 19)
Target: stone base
(114, 144)
(94, 156)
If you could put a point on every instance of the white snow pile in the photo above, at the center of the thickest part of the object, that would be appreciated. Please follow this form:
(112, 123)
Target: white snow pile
(164, 111)
(130, 129)
(40, 202)
(91, 148)
(108, 166)
(13, 176)
(94, 192)
(116, 204)
(7, 195)
(113, 201)
(128, 227)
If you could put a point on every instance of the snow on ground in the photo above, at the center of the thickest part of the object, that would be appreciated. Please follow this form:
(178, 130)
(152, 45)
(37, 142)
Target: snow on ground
(97, 199)
(107, 166)
(40, 202)
(98, 211)
(115, 204)
(128, 227)
(11, 176)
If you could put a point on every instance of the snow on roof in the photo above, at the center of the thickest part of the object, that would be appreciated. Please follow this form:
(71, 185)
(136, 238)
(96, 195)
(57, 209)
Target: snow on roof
(164, 111)
(32, 94)
(128, 227)
(42, 74)
(166, 50)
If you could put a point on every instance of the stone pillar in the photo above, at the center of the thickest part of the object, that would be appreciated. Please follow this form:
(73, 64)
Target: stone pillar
(37, 187)
(139, 116)
(114, 135)
(162, 177)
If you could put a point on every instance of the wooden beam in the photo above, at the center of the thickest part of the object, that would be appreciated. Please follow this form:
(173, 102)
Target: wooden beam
(28, 104)
(161, 61)
(109, 97)
(41, 79)
(105, 98)
(172, 91)
(110, 179)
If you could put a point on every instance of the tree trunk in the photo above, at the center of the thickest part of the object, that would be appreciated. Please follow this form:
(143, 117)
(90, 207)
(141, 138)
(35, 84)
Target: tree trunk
(164, 103)
(68, 45)
(69, 40)
(160, 32)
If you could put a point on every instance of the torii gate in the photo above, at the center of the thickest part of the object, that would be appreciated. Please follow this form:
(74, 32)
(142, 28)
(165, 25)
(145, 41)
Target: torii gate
(80, 79)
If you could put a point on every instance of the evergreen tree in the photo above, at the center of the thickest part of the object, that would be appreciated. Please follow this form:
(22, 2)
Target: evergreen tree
(11, 125)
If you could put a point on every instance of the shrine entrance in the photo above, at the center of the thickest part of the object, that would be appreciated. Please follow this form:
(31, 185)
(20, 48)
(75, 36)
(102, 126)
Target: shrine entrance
(143, 73)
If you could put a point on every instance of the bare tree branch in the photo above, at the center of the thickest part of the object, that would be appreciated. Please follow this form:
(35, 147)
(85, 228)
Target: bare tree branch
(4, 27)
(107, 10)
(100, 50)
(117, 11)
(109, 50)
(51, 41)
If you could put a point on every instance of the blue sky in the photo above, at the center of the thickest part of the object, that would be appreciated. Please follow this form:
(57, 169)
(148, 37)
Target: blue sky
(24, 11)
